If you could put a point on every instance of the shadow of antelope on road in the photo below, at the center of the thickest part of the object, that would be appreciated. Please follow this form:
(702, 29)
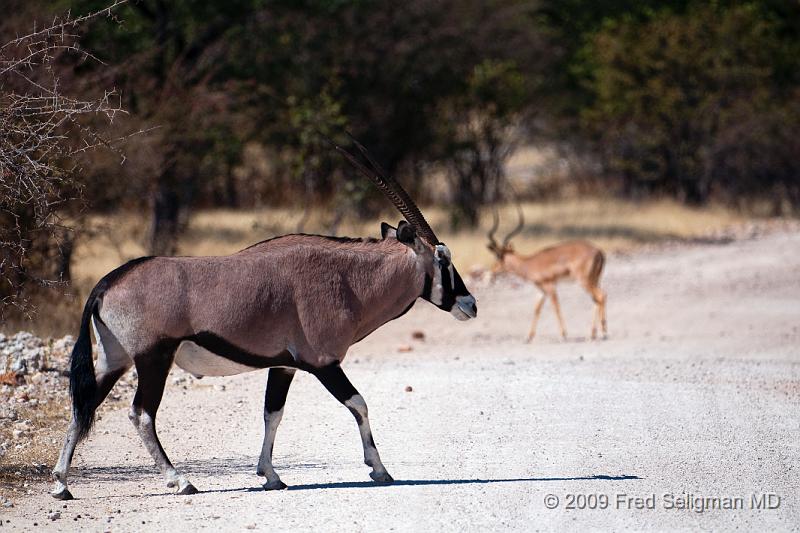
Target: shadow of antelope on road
(244, 466)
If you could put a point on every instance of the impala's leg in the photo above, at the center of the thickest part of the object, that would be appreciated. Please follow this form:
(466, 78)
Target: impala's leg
(153, 369)
(333, 378)
(595, 311)
(536, 312)
(112, 363)
(554, 298)
(278, 384)
(599, 297)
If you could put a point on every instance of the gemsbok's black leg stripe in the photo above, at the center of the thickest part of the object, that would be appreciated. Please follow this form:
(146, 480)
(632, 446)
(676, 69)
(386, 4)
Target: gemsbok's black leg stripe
(332, 378)
(278, 384)
(335, 380)
(426, 290)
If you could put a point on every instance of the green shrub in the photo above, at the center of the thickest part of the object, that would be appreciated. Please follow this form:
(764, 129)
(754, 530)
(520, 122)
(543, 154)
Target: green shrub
(696, 104)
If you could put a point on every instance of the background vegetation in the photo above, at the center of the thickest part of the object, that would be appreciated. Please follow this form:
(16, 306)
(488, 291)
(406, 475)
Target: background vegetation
(191, 105)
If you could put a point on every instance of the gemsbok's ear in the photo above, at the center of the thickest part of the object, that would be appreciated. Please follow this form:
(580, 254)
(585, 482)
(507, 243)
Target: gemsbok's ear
(388, 231)
(406, 232)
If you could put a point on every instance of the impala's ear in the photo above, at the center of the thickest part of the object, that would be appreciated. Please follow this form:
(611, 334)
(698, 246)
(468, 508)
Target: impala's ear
(406, 232)
(388, 231)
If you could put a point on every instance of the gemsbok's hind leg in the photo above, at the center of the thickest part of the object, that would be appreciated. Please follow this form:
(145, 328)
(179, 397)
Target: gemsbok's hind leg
(105, 382)
(112, 363)
(153, 369)
(278, 384)
(334, 379)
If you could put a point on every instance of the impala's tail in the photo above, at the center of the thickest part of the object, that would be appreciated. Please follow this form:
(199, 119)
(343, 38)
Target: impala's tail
(82, 381)
(597, 268)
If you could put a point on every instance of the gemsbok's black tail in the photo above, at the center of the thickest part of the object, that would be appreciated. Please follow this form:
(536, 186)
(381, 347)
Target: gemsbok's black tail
(82, 381)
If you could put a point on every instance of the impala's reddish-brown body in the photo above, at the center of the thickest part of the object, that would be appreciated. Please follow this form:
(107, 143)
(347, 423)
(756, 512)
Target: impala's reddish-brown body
(578, 260)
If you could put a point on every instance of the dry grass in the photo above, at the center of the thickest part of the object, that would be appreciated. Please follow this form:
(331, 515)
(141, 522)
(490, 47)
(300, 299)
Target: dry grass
(611, 224)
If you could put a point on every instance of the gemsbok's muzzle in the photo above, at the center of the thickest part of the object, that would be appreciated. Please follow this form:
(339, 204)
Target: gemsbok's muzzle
(465, 308)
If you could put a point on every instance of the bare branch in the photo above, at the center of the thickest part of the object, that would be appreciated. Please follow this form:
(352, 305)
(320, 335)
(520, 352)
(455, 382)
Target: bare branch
(61, 24)
(43, 130)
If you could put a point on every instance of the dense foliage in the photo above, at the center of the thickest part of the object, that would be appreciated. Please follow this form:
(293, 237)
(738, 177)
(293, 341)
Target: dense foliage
(692, 99)
(698, 103)
(420, 82)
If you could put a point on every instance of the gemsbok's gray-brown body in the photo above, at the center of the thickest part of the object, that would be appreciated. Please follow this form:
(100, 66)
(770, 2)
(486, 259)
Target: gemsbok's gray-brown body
(292, 302)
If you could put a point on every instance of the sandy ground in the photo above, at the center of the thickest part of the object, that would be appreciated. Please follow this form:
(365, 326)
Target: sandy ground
(694, 396)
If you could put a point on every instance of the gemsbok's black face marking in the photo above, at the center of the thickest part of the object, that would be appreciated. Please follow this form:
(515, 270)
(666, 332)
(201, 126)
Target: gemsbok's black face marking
(443, 285)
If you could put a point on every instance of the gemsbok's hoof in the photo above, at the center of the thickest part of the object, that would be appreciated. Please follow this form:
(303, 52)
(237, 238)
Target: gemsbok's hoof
(276, 484)
(62, 494)
(188, 489)
(381, 477)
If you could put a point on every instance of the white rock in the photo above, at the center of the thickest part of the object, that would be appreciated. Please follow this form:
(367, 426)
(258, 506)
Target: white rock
(7, 412)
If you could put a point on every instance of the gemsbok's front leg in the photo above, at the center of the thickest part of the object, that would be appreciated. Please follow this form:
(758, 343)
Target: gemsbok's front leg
(153, 370)
(278, 384)
(334, 379)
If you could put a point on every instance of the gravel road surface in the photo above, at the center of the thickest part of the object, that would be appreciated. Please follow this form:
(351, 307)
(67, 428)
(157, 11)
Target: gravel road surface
(692, 401)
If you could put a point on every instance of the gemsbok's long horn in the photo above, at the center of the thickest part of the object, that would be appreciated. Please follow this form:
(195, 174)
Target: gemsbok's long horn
(389, 186)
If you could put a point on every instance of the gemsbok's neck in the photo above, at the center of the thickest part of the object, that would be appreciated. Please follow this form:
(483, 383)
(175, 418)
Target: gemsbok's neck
(385, 283)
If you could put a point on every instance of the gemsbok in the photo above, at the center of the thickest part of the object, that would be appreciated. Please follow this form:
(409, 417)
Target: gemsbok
(579, 260)
(291, 302)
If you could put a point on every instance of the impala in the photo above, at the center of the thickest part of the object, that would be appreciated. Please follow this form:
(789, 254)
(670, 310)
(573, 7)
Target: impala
(579, 260)
(288, 303)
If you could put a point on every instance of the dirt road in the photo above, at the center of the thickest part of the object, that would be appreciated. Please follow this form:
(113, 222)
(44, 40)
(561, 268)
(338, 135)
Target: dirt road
(693, 400)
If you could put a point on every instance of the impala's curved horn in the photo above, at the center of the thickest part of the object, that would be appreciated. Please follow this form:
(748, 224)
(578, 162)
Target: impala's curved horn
(393, 191)
(519, 225)
(495, 224)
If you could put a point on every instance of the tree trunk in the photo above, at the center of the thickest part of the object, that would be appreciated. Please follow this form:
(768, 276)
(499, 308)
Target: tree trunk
(65, 248)
(165, 210)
